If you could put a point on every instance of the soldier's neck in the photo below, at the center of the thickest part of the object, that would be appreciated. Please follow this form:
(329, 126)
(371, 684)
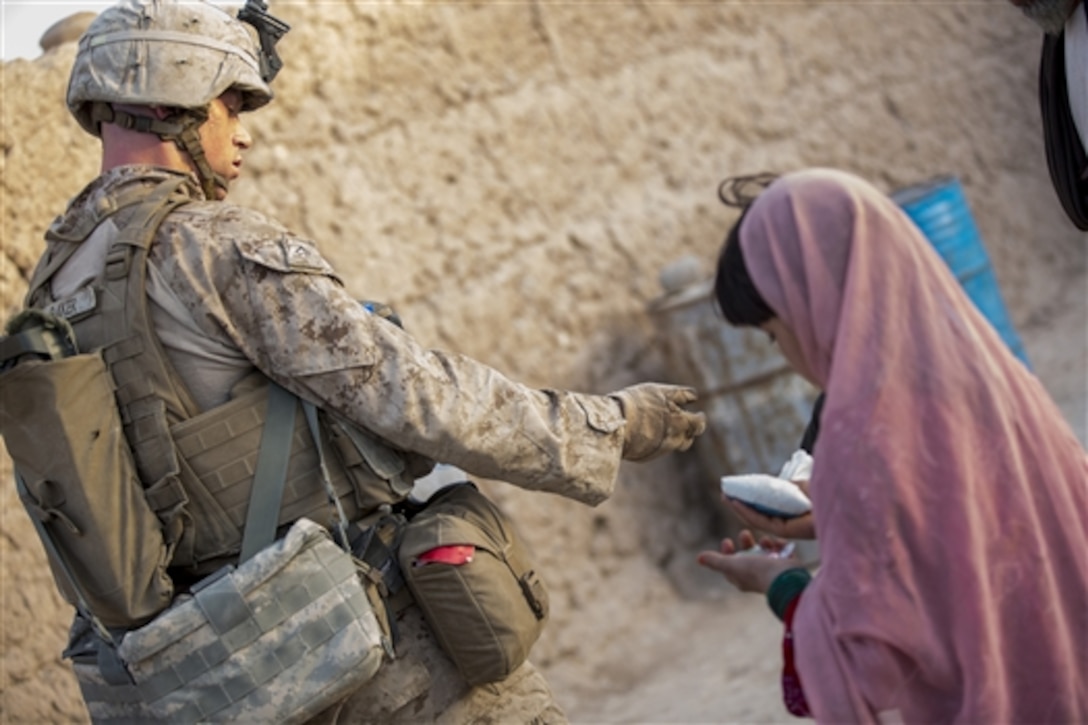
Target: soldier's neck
(122, 147)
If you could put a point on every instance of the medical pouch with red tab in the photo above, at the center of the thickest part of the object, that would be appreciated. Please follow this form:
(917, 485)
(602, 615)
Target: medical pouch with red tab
(470, 574)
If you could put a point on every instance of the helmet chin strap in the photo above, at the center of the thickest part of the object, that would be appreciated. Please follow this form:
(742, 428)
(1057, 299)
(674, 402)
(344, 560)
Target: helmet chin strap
(183, 129)
(188, 140)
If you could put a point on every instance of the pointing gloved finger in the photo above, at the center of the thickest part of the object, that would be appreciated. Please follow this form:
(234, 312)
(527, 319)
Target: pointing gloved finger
(683, 396)
(656, 421)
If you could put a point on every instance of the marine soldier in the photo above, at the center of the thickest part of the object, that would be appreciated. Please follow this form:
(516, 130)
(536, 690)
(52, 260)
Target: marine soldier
(236, 300)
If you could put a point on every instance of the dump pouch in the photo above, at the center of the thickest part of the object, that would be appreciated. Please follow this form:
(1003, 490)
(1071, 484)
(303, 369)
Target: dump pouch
(488, 608)
(60, 424)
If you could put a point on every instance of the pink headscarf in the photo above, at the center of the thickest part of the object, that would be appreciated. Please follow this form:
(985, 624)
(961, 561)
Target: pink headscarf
(950, 496)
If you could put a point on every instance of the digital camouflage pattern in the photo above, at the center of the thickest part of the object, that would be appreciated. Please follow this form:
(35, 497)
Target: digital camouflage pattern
(423, 686)
(276, 640)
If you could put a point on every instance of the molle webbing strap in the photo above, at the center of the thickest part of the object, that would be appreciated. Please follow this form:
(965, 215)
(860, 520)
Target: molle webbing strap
(124, 308)
(376, 547)
(531, 585)
(150, 394)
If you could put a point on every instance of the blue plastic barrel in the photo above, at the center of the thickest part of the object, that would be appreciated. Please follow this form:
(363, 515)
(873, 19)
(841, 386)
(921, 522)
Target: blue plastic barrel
(940, 210)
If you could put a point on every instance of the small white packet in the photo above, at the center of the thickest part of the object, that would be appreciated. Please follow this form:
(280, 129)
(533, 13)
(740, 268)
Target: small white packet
(798, 467)
(769, 495)
(442, 476)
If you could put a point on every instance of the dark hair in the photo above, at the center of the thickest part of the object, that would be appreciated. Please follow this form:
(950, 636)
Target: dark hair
(740, 302)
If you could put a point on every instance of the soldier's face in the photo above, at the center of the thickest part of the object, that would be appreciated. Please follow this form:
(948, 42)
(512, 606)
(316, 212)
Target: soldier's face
(224, 138)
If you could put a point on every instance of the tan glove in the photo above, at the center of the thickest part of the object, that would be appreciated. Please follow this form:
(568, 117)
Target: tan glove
(656, 422)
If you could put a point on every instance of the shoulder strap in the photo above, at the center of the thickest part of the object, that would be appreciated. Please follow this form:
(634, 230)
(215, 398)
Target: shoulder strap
(271, 472)
(270, 475)
(71, 239)
(150, 393)
(315, 432)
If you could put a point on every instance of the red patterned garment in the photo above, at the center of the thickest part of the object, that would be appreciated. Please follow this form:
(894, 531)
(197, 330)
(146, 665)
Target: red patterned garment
(792, 693)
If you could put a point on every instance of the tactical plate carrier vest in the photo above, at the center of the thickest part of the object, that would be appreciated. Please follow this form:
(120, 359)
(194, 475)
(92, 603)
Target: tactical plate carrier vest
(197, 467)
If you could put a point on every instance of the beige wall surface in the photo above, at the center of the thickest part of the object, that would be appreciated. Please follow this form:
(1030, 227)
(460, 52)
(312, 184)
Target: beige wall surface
(512, 177)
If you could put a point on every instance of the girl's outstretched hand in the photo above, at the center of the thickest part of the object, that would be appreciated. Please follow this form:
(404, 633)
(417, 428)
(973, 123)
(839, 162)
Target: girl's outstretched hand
(749, 571)
(798, 527)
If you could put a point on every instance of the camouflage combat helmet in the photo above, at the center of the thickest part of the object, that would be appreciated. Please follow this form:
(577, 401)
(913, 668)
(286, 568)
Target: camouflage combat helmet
(179, 55)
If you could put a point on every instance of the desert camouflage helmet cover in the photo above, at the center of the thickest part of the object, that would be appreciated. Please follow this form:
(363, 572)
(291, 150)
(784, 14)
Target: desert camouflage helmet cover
(164, 52)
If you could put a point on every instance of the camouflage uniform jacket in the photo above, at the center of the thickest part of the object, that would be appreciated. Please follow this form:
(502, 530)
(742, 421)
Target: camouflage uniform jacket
(232, 290)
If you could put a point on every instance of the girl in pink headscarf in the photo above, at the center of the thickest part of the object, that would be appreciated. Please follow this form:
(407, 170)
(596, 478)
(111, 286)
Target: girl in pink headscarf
(950, 497)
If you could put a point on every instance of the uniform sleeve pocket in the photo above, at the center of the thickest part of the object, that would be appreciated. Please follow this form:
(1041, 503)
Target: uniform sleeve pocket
(307, 323)
(602, 414)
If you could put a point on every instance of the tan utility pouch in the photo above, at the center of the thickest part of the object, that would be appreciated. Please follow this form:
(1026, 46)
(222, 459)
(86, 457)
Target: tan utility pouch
(60, 424)
(487, 608)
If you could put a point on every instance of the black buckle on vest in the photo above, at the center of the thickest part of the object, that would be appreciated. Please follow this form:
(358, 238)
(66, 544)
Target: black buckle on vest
(37, 335)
